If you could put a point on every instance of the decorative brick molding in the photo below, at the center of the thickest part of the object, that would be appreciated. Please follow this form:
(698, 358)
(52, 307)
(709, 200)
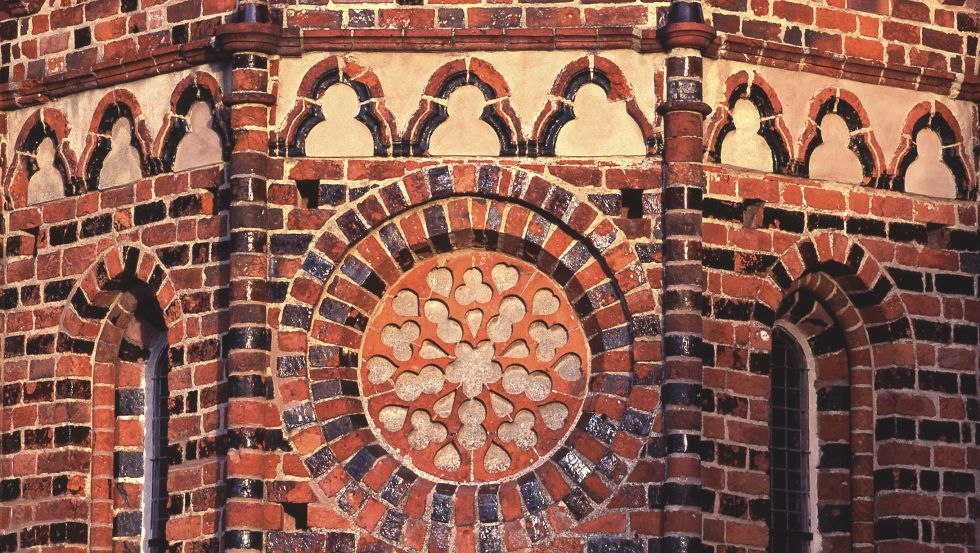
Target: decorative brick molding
(306, 113)
(444, 81)
(862, 142)
(43, 124)
(751, 87)
(869, 326)
(937, 117)
(91, 339)
(81, 174)
(558, 110)
(405, 228)
(199, 87)
(354, 366)
(116, 105)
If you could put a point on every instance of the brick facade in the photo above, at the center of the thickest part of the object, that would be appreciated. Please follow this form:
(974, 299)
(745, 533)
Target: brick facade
(528, 349)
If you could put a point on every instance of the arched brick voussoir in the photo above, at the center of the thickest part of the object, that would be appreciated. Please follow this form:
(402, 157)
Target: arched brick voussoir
(498, 112)
(306, 113)
(364, 250)
(936, 116)
(554, 204)
(118, 269)
(43, 124)
(330, 430)
(376, 262)
(117, 104)
(199, 87)
(855, 272)
(752, 87)
(557, 112)
(863, 143)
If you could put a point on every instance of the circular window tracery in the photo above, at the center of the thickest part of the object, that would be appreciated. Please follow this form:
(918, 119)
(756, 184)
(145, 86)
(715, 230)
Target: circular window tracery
(475, 367)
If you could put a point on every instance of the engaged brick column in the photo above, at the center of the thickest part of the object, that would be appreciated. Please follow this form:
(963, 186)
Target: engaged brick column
(251, 417)
(685, 36)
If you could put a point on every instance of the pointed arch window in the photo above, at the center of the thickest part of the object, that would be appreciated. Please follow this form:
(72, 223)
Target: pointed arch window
(790, 513)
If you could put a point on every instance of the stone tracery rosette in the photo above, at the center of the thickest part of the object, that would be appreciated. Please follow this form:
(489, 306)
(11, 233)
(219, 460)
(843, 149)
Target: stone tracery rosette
(474, 367)
(416, 343)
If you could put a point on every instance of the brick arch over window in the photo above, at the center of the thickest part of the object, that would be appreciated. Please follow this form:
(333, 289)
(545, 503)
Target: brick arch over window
(443, 82)
(306, 114)
(365, 250)
(863, 143)
(199, 87)
(938, 118)
(558, 110)
(43, 124)
(853, 288)
(830, 457)
(751, 87)
(90, 340)
(116, 105)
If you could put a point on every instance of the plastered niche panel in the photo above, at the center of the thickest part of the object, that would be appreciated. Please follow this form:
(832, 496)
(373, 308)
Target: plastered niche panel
(887, 108)
(529, 77)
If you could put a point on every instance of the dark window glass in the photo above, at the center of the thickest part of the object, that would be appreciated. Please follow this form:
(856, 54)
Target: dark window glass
(155, 459)
(789, 486)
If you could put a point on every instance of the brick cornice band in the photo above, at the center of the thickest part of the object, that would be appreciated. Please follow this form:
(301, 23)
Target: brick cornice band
(273, 40)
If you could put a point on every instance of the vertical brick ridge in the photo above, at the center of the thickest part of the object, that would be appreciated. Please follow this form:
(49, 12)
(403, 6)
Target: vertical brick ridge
(248, 343)
(685, 36)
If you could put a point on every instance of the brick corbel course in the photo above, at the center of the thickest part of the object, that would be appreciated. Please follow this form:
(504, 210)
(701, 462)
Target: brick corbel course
(686, 37)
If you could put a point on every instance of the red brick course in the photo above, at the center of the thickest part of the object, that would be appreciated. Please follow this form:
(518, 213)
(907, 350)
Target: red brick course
(270, 271)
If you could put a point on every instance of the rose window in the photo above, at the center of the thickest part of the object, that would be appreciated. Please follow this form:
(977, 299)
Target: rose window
(474, 368)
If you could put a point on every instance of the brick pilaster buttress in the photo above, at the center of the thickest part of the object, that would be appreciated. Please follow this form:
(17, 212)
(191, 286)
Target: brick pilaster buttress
(685, 37)
(251, 419)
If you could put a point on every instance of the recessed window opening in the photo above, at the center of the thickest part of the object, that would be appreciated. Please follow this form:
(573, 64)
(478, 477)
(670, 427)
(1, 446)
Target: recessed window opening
(792, 515)
(156, 393)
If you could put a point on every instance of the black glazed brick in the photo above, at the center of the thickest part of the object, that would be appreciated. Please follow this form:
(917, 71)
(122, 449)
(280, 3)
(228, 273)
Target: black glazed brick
(867, 227)
(129, 464)
(149, 213)
(63, 234)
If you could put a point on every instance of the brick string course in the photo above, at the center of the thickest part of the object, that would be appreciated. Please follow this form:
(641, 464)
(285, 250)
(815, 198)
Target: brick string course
(265, 453)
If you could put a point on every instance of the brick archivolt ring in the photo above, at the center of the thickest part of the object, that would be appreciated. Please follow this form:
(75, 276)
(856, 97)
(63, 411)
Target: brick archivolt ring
(474, 367)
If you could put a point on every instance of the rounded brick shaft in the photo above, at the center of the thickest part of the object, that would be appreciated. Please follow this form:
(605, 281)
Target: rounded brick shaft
(249, 338)
(685, 36)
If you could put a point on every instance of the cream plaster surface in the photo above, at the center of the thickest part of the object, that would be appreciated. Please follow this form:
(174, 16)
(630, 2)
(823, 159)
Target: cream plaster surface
(887, 108)
(340, 134)
(928, 175)
(600, 128)
(47, 183)
(201, 145)
(464, 133)
(745, 147)
(122, 165)
(832, 159)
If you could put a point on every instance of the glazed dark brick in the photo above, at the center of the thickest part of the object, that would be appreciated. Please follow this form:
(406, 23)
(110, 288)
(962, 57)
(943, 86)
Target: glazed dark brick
(954, 284)
(149, 213)
(63, 234)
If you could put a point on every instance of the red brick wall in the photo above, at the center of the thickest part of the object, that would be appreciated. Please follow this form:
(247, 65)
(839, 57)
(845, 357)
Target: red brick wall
(65, 265)
(249, 261)
(937, 35)
(904, 35)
